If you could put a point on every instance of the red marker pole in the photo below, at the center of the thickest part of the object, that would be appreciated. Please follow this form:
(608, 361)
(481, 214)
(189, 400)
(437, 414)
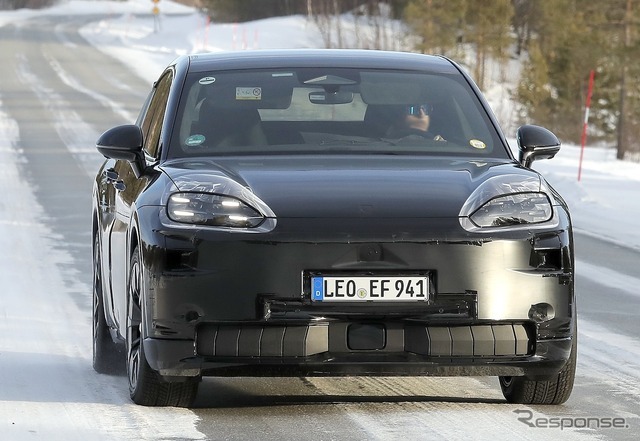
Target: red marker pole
(586, 122)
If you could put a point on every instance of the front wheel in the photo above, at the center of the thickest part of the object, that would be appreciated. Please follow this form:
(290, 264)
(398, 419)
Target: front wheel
(521, 390)
(146, 386)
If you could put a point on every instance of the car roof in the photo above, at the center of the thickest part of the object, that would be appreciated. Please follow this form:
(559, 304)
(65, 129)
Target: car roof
(336, 58)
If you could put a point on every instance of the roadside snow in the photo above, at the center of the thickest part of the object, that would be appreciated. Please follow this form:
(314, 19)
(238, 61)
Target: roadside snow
(48, 388)
(605, 203)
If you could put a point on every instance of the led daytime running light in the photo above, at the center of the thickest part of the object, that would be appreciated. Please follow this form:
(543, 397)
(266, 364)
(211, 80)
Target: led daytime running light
(213, 210)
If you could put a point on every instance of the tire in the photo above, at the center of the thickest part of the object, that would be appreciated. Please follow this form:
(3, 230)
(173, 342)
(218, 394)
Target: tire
(108, 356)
(146, 386)
(521, 390)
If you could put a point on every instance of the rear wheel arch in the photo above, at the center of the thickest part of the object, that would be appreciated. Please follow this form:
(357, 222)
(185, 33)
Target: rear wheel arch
(108, 356)
(97, 255)
(95, 231)
(134, 240)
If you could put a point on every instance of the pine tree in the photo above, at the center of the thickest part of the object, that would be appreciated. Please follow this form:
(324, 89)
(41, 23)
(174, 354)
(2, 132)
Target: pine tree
(534, 92)
(19, 4)
(488, 29)
(624, 19)
(568, 33)
(244, 10)
(575, 37)
(437, 23)
(451, 27)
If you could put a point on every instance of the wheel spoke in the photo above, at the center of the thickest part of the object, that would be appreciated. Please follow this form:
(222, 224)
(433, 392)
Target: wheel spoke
(134, 362)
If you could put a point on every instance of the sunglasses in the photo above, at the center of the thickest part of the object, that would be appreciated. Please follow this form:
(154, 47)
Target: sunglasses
(417, 108)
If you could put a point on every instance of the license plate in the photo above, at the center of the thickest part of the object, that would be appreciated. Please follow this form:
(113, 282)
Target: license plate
(370, 289)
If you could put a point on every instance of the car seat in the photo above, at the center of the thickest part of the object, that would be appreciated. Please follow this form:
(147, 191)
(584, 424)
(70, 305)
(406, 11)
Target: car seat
(229, 126)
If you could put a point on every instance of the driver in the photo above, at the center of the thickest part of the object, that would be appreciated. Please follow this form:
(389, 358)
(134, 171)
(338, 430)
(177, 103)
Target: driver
(414, 120)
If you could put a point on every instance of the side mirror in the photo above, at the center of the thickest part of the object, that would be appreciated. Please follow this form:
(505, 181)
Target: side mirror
(535, 142)
(121, 142)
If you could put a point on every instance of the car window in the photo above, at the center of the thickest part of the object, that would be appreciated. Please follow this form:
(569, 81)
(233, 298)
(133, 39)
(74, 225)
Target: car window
(337, 110)
(144, 109)
(152, 121)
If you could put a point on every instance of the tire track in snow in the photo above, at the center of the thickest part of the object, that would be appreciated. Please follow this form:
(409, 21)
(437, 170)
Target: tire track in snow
(614, 279)
(400, 408)
(77, 135)
(611, 359)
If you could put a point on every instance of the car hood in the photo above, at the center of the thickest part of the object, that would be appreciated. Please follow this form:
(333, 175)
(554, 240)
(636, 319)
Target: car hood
(345, 186)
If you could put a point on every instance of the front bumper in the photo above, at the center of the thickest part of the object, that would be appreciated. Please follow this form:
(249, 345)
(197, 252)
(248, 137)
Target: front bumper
(355, 348)
(239, 303)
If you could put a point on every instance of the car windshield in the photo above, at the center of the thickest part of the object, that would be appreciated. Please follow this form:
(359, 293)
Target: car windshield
(319, 110)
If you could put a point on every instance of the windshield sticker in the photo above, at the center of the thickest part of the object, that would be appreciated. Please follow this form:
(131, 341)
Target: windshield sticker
(477, 144)
(194, 140)
(207, 80)
(248, 93)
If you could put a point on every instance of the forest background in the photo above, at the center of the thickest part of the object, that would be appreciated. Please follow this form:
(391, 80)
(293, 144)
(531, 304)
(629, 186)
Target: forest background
(559, 42)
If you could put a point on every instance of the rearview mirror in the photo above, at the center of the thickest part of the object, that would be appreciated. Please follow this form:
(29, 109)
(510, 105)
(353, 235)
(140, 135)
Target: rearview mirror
(535, 142)
(331, 97)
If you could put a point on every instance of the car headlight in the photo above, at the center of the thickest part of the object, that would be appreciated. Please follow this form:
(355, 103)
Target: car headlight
(213, 210)
(509, 202)
(514, 209)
